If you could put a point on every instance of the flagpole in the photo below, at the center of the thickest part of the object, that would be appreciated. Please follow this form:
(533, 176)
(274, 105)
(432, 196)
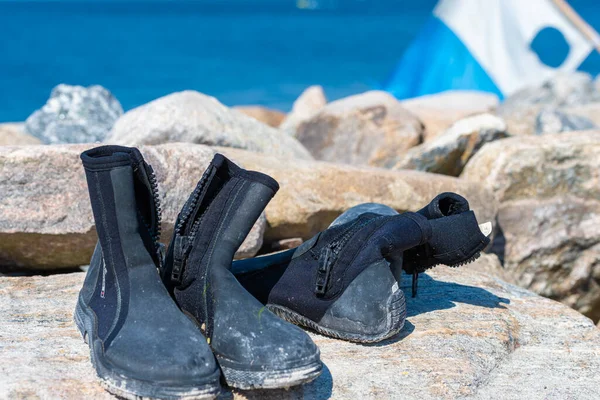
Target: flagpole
(579, 23)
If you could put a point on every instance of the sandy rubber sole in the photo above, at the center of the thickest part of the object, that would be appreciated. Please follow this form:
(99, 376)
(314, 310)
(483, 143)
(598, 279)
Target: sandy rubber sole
(396, 316)
(246, 379)
(135, 389)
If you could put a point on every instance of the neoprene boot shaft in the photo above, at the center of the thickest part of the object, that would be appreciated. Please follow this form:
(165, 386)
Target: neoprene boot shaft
(253, 346)
(141, 343)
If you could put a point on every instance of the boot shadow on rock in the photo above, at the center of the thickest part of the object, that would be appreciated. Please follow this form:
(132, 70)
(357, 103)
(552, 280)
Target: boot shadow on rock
(437, 295)
(406, 331)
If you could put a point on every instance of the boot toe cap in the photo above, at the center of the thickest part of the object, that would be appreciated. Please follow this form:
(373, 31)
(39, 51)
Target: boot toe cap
(185, 359)
(274, 345)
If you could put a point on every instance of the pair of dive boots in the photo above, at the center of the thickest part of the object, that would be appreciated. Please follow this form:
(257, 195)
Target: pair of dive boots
(141, 343)
(344, 282)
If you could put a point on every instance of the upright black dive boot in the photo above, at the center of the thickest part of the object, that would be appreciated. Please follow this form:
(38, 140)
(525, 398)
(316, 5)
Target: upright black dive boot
(341, 283)
(254, 348)
(141, 345)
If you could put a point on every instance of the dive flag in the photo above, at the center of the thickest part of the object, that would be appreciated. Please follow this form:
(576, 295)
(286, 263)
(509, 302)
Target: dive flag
(485, 45)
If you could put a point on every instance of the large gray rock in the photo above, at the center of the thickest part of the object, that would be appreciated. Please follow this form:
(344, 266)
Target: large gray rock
(75, 114)
(13, 134)
(311, 101)
(366, 129)
(551, 120)
(565, 91)
(449, 152)
(439, 111)
(193, 117)
(590, 111)
(46, 220)
(549, 193)
(468, 336)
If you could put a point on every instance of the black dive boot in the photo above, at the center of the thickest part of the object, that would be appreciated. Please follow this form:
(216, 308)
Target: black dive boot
(141, 345)
(340, 282)
(254, 348)
(456, 237)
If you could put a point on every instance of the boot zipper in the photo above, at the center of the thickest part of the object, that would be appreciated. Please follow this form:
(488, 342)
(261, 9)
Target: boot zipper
(188, 224)
(157, 207)
(329, 255)
(181, 251)
(154, 225)
(156, 232)
(103, 291)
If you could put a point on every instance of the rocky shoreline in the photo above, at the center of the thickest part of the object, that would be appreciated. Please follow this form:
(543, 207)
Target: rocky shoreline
(468, 335)
(529, 164)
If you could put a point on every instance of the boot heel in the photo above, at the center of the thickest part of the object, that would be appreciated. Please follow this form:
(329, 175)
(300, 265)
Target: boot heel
(78, 317)
(346, 319)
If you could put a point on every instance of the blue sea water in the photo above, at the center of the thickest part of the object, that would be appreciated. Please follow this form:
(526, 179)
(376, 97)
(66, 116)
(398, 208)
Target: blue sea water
(241, 51)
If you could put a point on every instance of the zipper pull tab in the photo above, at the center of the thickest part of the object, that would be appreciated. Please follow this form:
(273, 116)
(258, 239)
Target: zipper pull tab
(160, 255)
(180, 253)
(415, 282)
(325, 262)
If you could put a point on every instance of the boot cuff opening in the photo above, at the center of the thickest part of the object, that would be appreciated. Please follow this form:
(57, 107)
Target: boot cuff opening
(106, 157)
(220, 161)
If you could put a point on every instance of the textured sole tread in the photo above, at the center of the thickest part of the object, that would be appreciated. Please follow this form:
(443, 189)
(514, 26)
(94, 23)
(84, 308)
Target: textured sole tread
(396, 318)
(245, 379)
(460, 264)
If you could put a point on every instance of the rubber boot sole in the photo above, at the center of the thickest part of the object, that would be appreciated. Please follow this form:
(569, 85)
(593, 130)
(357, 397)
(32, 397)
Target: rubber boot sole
(396, 316)
(466, 261)
(248, 379)
(135, 389)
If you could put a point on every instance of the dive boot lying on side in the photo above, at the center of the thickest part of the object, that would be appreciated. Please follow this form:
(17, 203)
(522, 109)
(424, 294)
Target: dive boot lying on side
(456, 238)
(141, 345)
(254, 348)
(340, 283)
(455, 241)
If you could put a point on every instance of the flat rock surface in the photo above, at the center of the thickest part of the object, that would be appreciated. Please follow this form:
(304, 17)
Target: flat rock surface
(468, 335)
